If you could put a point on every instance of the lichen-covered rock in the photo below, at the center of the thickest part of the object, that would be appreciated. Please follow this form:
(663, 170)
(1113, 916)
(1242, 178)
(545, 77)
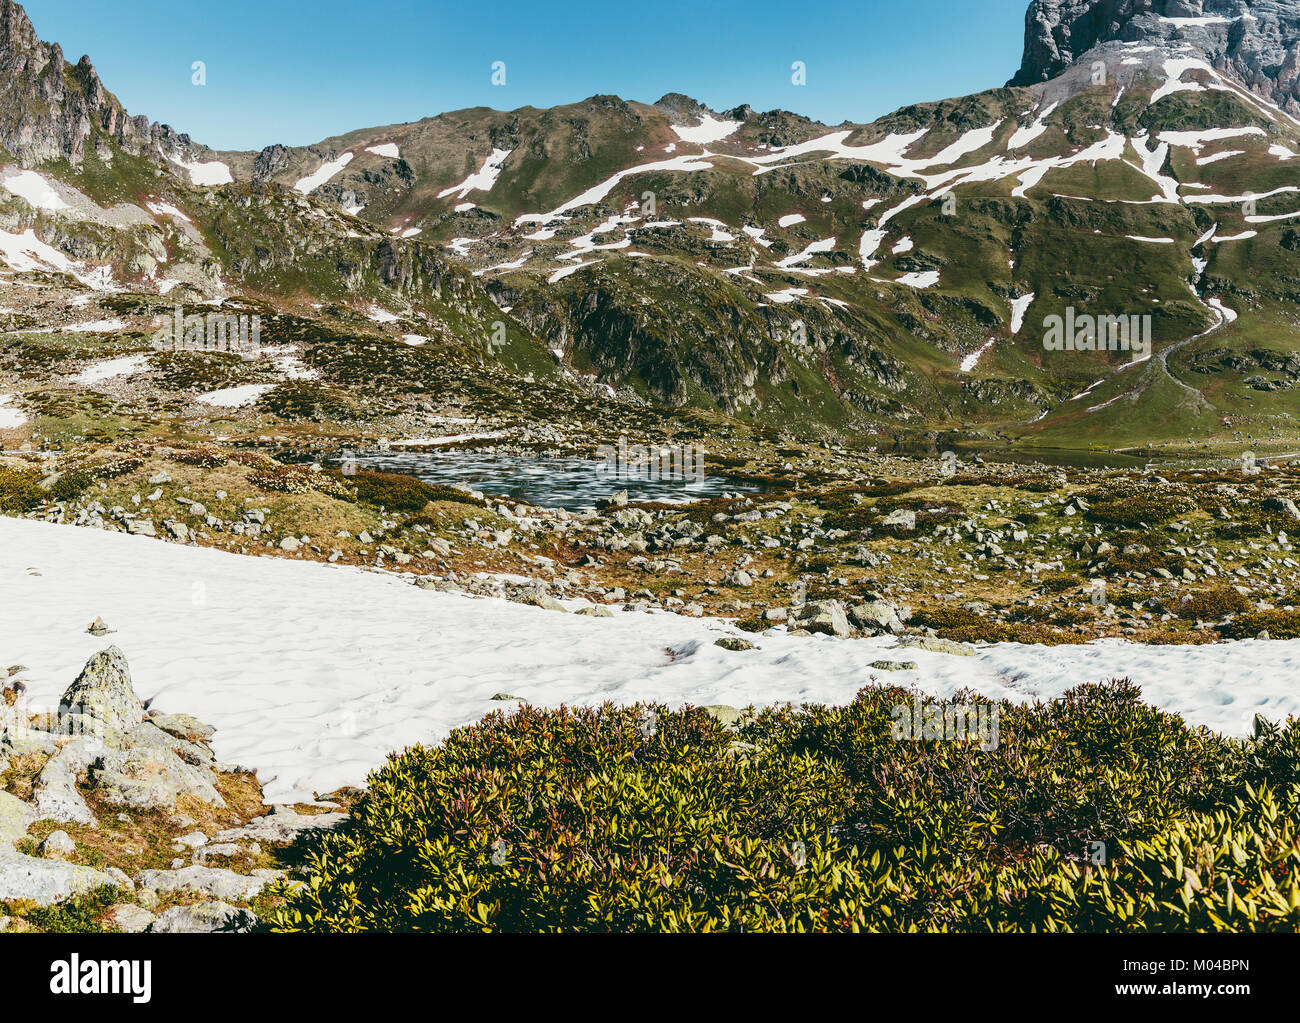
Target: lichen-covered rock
(103, 692)
(58, 845)
(214, 882)
(876, 617)
(281, 825)
(151, 778)
(130, 919)
(183, 726)
(205, 918)
(55, 794)
(29, 877)
(823, 616)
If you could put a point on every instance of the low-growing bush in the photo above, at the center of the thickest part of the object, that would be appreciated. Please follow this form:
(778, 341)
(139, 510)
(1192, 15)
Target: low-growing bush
(819, 819)
(1211, 605)
(1137, 506)
(202, 457)
(114, 468)
(1279, 624)
(396, 492)
(20, 491)
(974, 627)
(296, 479)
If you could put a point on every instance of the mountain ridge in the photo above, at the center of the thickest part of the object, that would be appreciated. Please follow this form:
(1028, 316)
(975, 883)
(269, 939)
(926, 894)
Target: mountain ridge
(853, 279)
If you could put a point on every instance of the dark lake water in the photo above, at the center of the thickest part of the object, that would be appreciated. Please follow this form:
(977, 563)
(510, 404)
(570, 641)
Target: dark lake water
(570, 483)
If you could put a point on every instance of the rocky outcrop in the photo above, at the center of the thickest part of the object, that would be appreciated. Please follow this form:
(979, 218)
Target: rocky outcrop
(51, 109)
(101, 749)
(1256, 42)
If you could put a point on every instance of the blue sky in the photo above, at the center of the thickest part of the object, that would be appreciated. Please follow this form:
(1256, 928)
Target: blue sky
(297, 71)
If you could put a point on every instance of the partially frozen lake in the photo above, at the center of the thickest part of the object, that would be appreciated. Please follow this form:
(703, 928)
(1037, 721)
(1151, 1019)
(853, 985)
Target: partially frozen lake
(570, 483)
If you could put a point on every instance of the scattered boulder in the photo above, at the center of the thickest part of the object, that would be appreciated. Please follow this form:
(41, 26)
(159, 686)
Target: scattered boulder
(33, 878)
(825, 617)
(214, 882)
(150, 779)
(900, 518)
(283, 824)
(538, 598)
(57, 846)
(936, 645)
(876, 618)
(204, 918)
(734, 643)
(183, 727)
(129, 918)
(55, 793)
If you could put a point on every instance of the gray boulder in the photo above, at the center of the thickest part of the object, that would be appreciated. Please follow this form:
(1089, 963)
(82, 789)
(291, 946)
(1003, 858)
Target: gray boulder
(876, 617)
(29, 877)
(823, 616)
(55, 794)
(205, 918)
(103, 692)
(151, 778)
(900, 518)
(213, 882)
(130, 919)
(58, 845)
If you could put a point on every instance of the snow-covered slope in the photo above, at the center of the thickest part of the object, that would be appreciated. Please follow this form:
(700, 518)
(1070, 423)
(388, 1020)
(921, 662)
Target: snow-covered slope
(313, 673)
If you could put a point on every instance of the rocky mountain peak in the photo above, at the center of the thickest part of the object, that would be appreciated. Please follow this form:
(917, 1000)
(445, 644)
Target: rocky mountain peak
(16, 32)
(1257, 42)
(49, 109)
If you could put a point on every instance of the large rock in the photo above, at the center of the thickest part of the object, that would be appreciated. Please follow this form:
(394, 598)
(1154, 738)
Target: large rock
(213, 882)
(823, 616)
(280, 826)
(538, 597)
(876, 617)
(130, 919)
(937, 646)
(103, 693)
(151, 778)
(205, 918)
(55, 795)
(900, 518)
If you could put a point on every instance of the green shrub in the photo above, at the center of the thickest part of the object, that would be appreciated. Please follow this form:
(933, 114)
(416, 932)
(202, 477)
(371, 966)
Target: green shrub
(396, 492)
(1279, 624)
(71, 485)
(1135, 506)
(115, 467)
(19, 491)
(1211, 605)
(818, 819)
(203, 457)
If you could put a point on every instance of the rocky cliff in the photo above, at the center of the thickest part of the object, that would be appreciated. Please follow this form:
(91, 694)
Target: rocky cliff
(1254, 41)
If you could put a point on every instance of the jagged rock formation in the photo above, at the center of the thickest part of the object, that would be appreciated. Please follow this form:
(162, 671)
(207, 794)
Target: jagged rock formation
(1255, 41)
(52, 110)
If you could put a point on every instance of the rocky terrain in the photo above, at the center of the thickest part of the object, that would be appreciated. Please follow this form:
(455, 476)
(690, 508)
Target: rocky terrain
(959, 549)
(114, 816)
(847, 321)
